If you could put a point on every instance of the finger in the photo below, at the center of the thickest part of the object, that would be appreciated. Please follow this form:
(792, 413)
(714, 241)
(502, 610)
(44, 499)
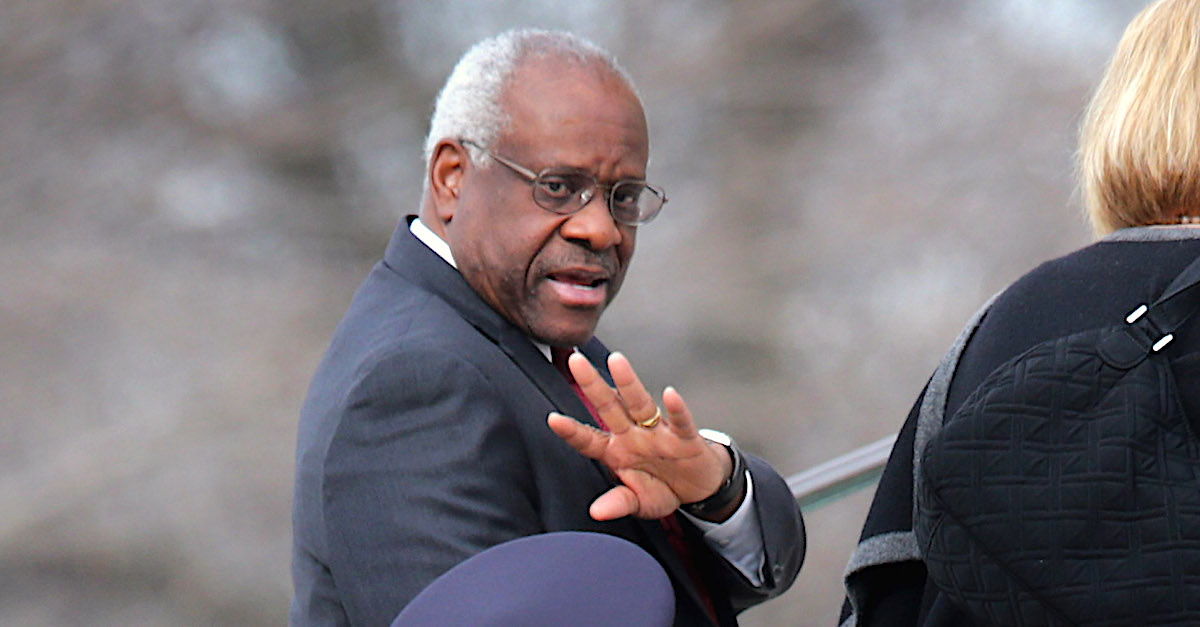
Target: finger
(655, 498)
(638, 402)
(618, 502)
(608, 405)
(680, 417)
(583, 438)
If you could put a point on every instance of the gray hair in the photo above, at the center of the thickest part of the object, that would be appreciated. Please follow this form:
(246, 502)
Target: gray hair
(469, 103)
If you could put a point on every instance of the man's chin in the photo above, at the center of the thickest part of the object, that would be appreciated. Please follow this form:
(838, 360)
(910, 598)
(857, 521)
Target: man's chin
(563, 333)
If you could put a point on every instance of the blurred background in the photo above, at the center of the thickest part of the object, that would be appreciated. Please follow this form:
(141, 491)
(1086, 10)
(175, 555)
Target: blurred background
(190, 191)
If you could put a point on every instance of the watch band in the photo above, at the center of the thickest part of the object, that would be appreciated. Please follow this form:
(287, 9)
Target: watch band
(734, 486)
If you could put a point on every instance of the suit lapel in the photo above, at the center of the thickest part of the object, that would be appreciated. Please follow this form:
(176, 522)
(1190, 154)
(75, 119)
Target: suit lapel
(544, 375)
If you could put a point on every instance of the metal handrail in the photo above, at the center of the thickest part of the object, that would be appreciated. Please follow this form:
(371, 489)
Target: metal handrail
(843, 475)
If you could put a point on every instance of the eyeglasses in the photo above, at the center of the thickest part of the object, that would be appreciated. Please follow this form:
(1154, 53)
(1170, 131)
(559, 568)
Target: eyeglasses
(565, 190)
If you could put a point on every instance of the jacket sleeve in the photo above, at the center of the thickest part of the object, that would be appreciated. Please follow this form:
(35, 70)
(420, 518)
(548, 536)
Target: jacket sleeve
(424, 470)
(783, 539)
(885, 582)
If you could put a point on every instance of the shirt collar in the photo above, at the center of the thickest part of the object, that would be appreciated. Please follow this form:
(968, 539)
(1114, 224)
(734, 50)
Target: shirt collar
(431, 239)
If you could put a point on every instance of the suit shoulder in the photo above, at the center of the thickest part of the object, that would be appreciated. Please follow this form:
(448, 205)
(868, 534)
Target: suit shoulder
(398, 345)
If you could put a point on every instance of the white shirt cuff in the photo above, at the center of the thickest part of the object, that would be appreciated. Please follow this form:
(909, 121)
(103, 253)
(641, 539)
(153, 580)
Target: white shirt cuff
(739, 539)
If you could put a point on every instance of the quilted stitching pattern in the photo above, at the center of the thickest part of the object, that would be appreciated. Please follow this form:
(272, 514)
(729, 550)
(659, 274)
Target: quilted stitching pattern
(1065, 491)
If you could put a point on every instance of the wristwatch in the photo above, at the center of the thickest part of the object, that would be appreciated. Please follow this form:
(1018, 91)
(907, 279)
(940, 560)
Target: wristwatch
(733, 488)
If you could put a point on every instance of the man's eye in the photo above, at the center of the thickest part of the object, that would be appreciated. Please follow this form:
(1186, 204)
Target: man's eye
(627, 195)
(557, 187)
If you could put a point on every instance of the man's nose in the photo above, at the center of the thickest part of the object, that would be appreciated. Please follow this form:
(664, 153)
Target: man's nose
(593, 224)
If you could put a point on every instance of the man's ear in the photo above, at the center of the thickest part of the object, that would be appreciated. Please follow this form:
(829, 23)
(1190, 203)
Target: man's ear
(446, 169)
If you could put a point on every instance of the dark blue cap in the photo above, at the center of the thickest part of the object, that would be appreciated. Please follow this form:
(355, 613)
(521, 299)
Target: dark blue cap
(560, 578)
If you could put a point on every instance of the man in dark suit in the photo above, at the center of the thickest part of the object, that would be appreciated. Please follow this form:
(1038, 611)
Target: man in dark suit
(436, 426)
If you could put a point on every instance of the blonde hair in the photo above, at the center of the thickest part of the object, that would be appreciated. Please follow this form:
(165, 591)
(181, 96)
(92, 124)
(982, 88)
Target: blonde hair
(1139, 146)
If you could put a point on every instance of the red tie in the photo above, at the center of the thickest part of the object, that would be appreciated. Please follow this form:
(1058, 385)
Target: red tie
(558, 356)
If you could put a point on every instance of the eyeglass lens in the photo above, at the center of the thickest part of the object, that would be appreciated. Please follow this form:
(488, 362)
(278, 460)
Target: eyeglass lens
(631, 202)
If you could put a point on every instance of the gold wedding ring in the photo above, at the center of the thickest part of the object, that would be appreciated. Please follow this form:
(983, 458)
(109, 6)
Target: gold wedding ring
(653, 420)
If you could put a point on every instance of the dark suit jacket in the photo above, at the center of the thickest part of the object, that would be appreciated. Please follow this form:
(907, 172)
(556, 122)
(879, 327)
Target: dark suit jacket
(423, 441)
